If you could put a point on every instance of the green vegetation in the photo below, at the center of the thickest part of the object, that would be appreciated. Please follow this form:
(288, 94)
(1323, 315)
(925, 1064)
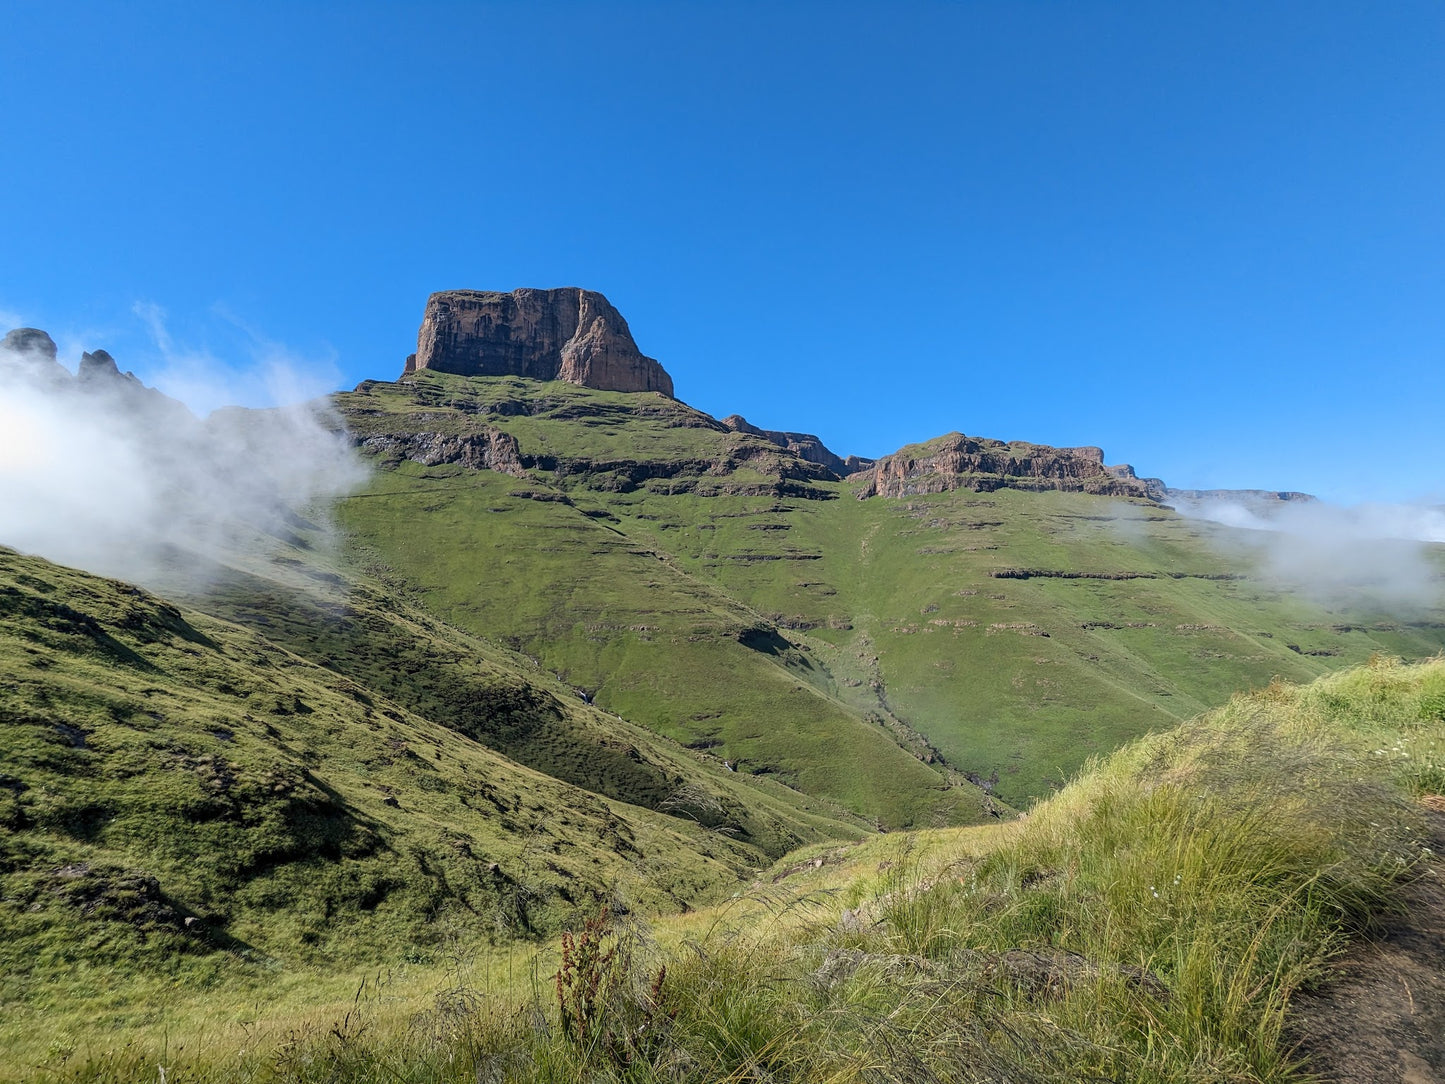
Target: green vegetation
(184, 801)
(711, 587)
(1152, 922)
(584, 664)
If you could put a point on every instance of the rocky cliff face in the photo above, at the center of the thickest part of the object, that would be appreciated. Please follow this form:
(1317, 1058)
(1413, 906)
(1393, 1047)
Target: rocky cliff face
(667, 446)
(959, 462)
(564, 334)
(803, 445)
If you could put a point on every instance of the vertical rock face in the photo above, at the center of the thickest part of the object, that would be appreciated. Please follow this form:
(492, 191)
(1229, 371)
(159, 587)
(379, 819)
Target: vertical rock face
(565, 334)
(29, 340)
(955, 461)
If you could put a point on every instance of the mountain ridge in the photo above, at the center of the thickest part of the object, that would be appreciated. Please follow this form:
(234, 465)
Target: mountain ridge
(572, 648)
(576, 336)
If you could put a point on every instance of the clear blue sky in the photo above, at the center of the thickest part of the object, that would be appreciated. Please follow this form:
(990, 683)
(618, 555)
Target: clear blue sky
(1208, 237)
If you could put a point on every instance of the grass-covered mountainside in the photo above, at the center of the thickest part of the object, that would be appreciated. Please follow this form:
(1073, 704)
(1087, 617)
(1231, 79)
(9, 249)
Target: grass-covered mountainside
(727, 593)
(593, 661)
(1156, 921)
(184, 798)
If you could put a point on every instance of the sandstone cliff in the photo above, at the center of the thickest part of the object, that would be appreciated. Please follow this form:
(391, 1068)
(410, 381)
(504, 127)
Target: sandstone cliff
(959, 462)
(564, 334)
(803, 445)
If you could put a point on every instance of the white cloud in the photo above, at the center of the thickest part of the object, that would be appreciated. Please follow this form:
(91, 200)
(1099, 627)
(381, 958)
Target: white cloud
(1372, 552)
(116, 479)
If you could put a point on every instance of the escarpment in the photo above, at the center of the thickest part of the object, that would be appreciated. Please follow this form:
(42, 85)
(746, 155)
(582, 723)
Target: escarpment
(980, 464)
(512, 339)
(566, 334)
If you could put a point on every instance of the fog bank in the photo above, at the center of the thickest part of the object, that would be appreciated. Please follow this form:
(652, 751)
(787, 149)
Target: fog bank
(100, 472)
(1379, 553)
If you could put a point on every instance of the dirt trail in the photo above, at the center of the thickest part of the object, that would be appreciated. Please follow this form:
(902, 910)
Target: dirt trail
(1383, 1020)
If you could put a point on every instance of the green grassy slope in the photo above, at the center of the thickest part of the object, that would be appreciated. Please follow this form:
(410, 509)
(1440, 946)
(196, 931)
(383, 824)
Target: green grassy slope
(1153, 922)
(182, 797)
(539, 562)
(712, 587)
(961, 617)
(504, 702)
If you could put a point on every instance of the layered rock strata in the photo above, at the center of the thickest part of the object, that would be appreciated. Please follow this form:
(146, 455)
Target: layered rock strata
(976, 463)
(563, 334)
(803, 445)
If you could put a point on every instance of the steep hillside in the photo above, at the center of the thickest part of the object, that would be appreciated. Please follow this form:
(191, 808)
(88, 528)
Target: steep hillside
(1019, 609)
(1177, 913)
(535, 555)
(182, 796)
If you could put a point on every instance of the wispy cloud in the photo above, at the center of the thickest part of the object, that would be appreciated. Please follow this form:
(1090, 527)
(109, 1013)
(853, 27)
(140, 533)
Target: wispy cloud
(117, 479)
(266, 372)
(1376, 553)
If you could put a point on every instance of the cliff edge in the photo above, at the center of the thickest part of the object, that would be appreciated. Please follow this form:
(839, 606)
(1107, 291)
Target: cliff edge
(566, 334)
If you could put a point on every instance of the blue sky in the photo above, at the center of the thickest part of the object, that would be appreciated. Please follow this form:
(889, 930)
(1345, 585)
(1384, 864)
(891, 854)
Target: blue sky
(1208, 237)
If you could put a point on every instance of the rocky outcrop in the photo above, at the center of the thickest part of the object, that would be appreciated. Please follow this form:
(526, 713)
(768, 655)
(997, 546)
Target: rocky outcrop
(34, 352)
(488, 449)
(564, 334)
(29, 341)
(99, 365)
(99, 374)
(959, 462)
(803, 445)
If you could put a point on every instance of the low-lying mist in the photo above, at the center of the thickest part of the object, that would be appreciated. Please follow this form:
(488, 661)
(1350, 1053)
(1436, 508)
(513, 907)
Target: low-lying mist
(99, 472)
(1381, 554)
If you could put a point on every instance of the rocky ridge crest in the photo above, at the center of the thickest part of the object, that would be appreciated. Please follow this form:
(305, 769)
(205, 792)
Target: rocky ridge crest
(956, 461)
(31, 354)
(577, 336)
(803, 445)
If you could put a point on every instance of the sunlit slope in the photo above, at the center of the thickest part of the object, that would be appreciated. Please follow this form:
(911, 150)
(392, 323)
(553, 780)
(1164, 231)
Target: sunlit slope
(645, 639)
(1021, 632)
(716, 588)
(503, 701)
(178, 792)
(1172, 915)
(536, 559)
